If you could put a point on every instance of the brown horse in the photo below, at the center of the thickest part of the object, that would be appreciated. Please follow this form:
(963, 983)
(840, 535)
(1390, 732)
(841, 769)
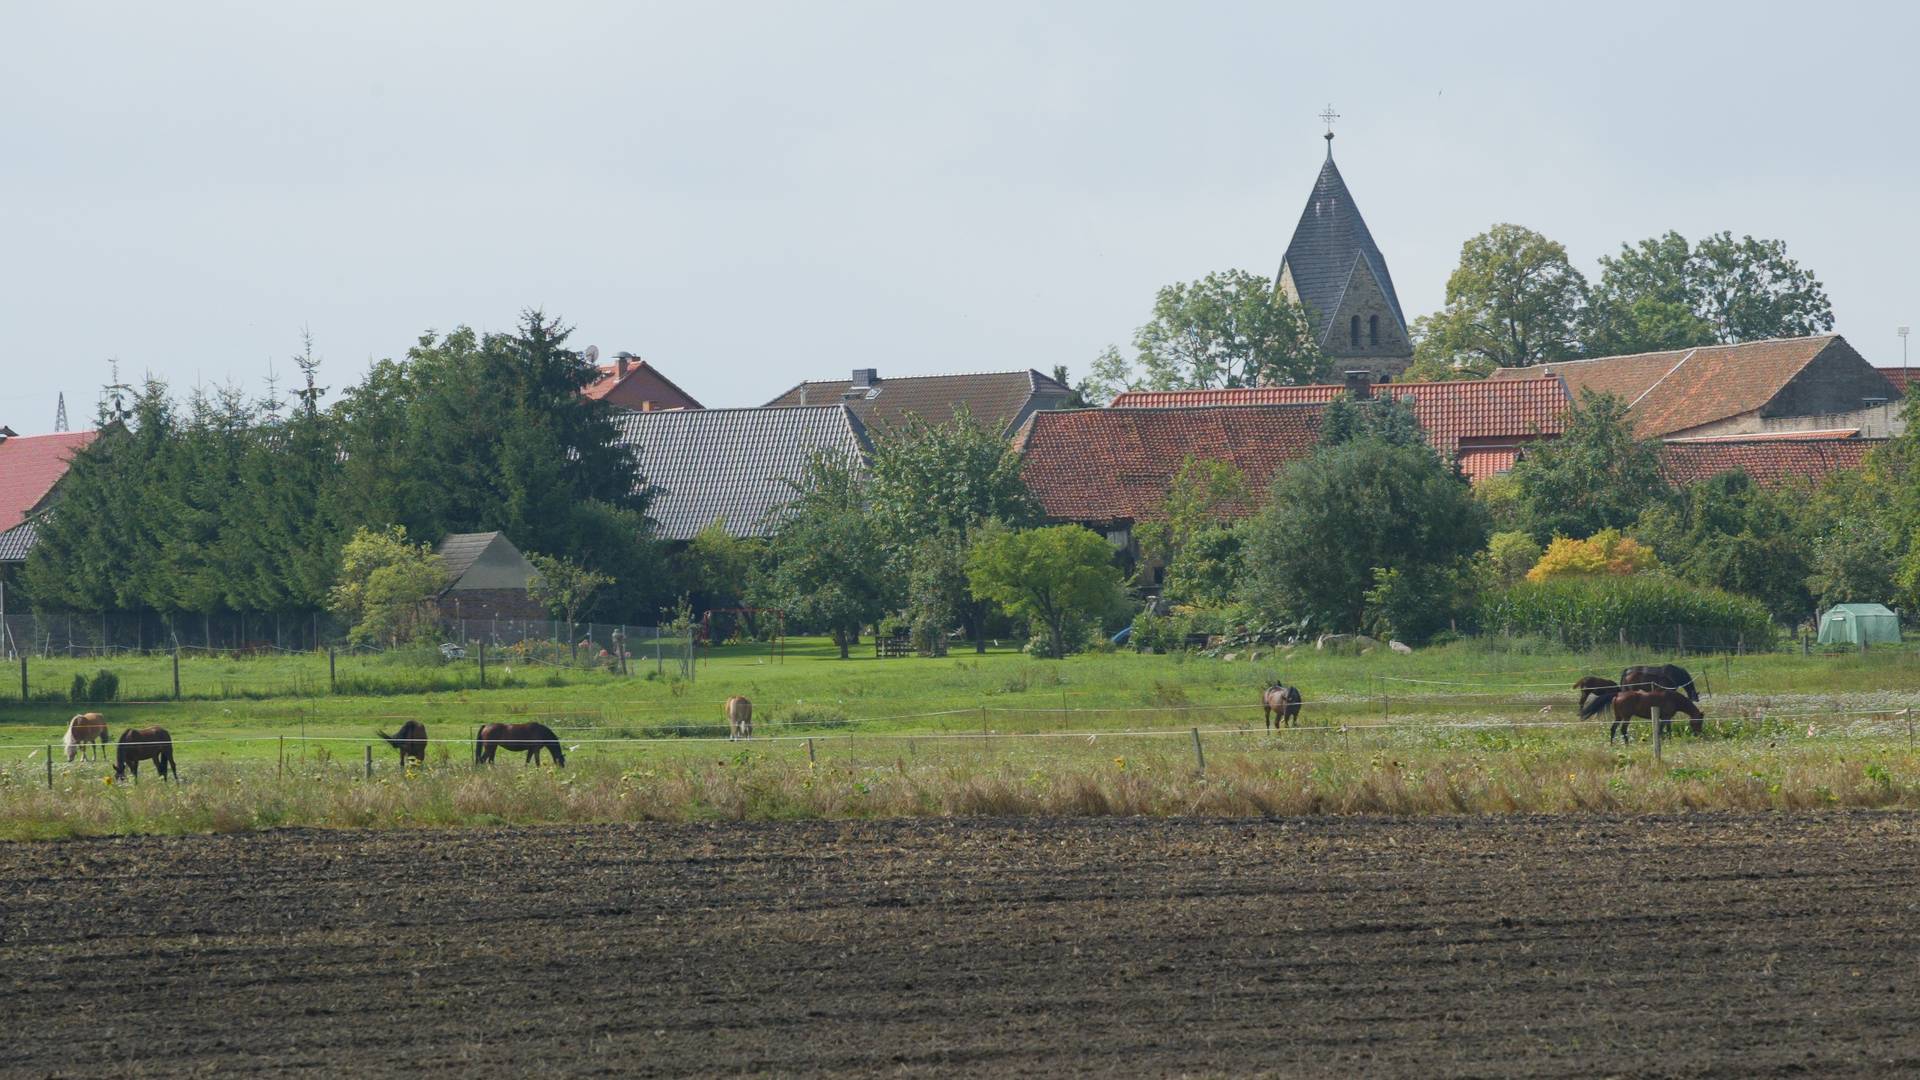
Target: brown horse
(1280, 705)
(739, 718)
(144, 744)
(411, 741)
(1593, 684)
(1655, 705)
(85, 730)
(529, 737)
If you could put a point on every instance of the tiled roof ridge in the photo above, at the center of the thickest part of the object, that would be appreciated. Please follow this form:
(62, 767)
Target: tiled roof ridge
(1547, 364)
(1651, 387)
(932, 375)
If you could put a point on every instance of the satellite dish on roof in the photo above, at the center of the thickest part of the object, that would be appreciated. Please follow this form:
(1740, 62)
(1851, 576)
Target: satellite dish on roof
(592, 354)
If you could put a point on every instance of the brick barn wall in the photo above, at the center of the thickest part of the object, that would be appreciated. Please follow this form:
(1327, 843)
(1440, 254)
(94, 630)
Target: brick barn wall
(491, 604)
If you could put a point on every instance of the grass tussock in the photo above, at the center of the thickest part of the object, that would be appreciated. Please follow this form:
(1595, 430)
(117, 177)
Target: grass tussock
(750, 785)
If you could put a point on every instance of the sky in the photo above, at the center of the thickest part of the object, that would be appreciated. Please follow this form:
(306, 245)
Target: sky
(752, 194)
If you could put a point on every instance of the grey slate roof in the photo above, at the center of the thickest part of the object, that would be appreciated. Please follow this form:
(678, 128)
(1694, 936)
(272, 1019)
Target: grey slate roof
(459, 550)
(16, 542)
(736, 465)
(999, 400)
(1330, 238)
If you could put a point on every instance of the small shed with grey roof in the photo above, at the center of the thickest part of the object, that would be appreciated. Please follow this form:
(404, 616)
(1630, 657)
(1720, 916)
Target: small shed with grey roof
(488, 578)
(741, 467)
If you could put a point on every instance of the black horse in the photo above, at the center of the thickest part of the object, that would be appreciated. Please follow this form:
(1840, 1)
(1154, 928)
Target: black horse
(144, 744)
(529, 737)
(1660, 677)
(411, 741)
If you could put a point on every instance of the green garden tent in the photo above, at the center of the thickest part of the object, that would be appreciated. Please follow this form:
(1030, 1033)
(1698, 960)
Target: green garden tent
(1852, 624)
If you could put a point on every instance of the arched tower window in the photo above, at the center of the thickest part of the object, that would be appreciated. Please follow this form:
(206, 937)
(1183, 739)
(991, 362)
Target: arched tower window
(1373, 329)
(1353, 332)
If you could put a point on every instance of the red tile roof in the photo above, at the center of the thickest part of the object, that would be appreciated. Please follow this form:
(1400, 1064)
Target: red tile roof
(642, 383)
(1770, 462)
(1105, 465)
(1901, 378)
(1685, 388)
(1764, 436)
(1466, 409)
(30, 465)
(1479, 462)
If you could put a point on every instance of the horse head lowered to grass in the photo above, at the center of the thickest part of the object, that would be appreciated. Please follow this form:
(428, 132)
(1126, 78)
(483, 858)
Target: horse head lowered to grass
(530, 738)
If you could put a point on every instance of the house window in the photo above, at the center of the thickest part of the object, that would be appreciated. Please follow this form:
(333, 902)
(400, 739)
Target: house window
(1373, 329)
(1353, 332)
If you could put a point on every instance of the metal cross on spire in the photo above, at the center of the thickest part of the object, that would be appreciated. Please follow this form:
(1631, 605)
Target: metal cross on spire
(1327, 117)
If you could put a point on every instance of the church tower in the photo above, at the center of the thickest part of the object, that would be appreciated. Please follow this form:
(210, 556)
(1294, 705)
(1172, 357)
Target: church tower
(1334, 268)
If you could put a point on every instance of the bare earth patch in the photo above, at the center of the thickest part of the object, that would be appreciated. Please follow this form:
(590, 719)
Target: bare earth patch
(1713, 944)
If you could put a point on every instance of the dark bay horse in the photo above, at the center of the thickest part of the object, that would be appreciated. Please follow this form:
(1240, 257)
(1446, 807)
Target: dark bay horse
(1658, 706)
(529, 737)
(411, 741)
(1660, 677)
(144, 744)
(1280, 705)
(1594, 684)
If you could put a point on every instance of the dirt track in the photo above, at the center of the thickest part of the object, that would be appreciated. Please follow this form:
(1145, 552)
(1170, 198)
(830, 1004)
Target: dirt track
(1734, 946)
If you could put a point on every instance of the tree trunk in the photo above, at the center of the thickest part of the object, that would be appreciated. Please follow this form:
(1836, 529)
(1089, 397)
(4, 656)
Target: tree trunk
(1054, 632)
(840, 639)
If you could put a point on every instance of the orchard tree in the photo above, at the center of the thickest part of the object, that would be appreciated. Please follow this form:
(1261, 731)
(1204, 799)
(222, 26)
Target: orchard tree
(1058, 576)
(1513, 301)
(387, 586)
(830, 570)
(566, 589)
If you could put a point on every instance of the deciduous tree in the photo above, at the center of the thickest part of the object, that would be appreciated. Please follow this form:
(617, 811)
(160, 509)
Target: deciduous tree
(1513, 301)
(1054, 576)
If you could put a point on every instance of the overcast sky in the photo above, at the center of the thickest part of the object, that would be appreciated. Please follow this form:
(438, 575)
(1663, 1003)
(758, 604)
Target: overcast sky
(748, 195)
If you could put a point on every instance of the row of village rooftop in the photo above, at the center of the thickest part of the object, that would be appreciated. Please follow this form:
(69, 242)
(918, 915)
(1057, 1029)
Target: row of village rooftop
(1793, 407)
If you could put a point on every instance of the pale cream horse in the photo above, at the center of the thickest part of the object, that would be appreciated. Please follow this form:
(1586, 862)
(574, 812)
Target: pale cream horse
(739, 718)
(85, 730)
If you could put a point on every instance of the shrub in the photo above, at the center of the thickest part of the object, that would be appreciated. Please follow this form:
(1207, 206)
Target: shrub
(1605, 552)
(104, 687)
(1588, 611)
(78, 695)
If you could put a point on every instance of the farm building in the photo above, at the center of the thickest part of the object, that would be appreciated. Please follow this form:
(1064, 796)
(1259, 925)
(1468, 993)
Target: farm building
(489, 578)
(735, 466)
(1000, 400)
(632, 383)
(1901, 378)
(1109, 469)
(1771, 460)
(1480, 424)
(31, 467)
(1756, 388)
(1859, 624)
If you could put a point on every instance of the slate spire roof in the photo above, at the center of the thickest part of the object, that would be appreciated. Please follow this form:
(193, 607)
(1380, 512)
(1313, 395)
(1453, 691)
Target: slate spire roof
(1330, 239)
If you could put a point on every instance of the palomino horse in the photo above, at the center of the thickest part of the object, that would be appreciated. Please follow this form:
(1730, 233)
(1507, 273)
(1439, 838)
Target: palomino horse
(1280, 705)
(739, 718)
(144, 744)
(529, 737)
(85, 730)
(411, 741)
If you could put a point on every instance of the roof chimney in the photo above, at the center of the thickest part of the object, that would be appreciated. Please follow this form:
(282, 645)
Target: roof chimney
(865, 377)
(1359, 385)
(621, 361)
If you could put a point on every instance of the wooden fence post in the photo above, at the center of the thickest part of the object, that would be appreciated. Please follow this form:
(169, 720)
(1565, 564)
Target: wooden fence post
(23, 676)
(1199, 754)
(282, 769)
(1657, 725)
(369, 761)
(176, 671)
(809, 751)
(483, 665)
(330, 682)
(49, 767)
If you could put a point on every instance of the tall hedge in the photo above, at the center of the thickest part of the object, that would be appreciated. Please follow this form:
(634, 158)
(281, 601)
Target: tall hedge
(1584, 612)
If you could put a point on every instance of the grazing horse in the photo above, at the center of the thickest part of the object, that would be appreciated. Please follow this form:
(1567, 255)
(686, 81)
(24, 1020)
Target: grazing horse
(411, 741)
(1660, 677)
(1593, 684)
(530, 737)
(85, 730)
(144, 744)
(739, 718)
(1280, 705)
(1655, 705)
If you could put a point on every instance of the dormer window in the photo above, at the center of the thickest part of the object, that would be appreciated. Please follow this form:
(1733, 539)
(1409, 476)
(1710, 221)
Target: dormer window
(1373, 329)
(1353, 332)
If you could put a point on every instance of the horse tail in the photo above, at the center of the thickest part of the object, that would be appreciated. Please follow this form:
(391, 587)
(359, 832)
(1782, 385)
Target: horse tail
(1600, 700)
(479, 741)
(388, 739)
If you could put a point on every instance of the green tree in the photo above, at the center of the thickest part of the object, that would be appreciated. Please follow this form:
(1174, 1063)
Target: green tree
(1508, 557)
(1381, 416)
(830, 571)
(1204, 493)
(943, 481)
(1230, 328)
(1729, 533)
(719, 570)
(1596, 475)
(566, 589)
(1750, 290)
(1513, 301)
(1646, 300)
(1054, 576)
(1851, 564)
(387, 586)
(1351, 509)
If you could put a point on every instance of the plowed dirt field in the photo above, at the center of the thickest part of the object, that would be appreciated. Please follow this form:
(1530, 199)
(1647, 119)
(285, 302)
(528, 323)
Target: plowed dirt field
(1717, 945)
